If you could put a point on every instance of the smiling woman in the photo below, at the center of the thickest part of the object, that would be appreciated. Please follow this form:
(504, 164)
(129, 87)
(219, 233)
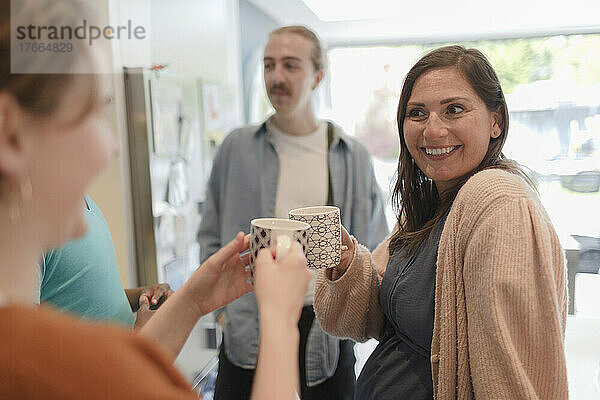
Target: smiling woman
(454, 296)
(452, 104)
(447, 127)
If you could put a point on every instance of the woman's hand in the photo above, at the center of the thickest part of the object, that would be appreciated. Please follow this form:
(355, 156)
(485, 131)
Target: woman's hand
(222, 278)
(346, 258)
(280, 286)
(218, 281)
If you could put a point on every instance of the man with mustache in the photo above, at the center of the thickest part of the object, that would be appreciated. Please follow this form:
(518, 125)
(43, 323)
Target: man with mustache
(291, 160)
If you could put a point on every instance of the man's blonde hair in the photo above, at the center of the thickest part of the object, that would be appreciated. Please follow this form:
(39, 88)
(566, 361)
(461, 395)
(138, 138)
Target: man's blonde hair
(318, 56)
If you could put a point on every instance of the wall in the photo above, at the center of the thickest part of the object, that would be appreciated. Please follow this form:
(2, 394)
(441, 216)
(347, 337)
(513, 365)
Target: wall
(255, 27)
(195, 37)
(108, 190)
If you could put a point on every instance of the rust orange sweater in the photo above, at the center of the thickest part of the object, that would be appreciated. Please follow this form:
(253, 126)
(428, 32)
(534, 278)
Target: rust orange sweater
(48, 356)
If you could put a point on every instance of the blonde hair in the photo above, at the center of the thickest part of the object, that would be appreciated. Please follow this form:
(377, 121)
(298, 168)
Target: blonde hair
(40, 94)
(318, 55)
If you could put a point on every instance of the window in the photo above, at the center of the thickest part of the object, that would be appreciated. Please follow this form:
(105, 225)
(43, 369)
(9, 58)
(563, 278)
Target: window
(552, 87)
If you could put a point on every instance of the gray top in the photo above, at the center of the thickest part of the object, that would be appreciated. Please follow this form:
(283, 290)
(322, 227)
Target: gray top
(243, 186)
(400, 366)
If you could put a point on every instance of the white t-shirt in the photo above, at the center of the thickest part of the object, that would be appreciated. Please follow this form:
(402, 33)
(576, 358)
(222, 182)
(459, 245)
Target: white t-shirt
(303, 175)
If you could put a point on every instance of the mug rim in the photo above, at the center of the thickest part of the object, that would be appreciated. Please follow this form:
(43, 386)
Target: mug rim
(314, 210)
(280, 224)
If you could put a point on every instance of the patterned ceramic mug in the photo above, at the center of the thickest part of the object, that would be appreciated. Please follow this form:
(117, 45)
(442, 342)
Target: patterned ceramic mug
(324, 236)
(278, 233)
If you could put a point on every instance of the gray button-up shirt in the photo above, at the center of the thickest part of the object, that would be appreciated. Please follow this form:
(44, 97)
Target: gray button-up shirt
(243, 186)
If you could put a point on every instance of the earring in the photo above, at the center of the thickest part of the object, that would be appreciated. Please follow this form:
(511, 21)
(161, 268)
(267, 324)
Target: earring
(19, 201)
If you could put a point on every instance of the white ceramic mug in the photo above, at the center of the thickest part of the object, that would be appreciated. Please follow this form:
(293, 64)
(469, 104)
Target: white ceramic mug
(276, 232)
(324, 236)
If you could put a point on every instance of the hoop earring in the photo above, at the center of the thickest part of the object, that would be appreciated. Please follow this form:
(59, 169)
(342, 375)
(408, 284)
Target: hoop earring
(19, 201)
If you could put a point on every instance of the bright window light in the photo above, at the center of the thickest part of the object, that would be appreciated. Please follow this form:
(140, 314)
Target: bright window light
(470, 15)
(340, 10)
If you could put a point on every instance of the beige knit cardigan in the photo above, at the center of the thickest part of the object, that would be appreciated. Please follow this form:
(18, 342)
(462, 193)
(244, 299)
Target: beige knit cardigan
(500, 299)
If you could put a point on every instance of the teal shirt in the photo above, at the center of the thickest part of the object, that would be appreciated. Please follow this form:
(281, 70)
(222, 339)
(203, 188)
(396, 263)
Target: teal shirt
(82, 277)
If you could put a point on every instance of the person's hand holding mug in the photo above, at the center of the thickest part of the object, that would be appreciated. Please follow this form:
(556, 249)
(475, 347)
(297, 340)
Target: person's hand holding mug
(222, 278)
(346, 258)
(280, 285)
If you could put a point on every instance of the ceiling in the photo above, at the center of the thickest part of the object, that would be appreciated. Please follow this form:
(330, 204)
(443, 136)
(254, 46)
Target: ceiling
(397, 21)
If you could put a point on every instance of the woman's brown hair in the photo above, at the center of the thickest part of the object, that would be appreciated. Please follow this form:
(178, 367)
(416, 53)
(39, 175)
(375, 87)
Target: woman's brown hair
(415, 198)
